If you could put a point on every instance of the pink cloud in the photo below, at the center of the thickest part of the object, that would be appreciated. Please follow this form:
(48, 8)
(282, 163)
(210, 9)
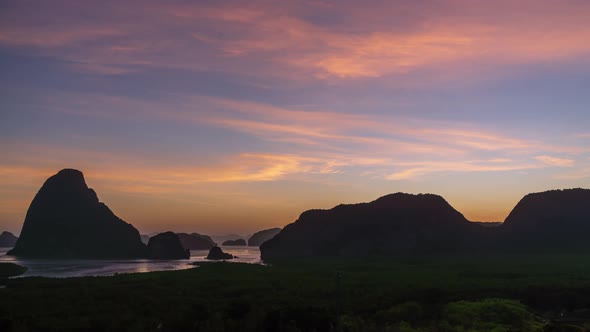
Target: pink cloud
(554, 161)
(267, 39)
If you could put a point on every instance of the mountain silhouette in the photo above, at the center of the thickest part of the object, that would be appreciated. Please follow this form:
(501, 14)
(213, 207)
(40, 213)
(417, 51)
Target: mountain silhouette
(167, 245)
(393, 224)
(7, 240)
(237, 242)
(556, 220)
(552, 220)
(206, 237)
(217, 254)
(66, 220)
(196, 241)
(220, 238)
(260, 237)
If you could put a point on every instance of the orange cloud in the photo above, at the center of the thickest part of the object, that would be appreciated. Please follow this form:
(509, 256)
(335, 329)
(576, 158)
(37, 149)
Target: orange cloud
(426, 168)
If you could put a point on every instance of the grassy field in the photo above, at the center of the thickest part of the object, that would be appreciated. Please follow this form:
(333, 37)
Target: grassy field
(435, 293)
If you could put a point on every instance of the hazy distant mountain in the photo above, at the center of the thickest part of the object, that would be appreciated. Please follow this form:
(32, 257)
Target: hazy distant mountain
(196, 241)
(167, 245)
(206, 237)
(7, 240)
(393, 224)
(237, 242)
(145, 239)
(66, 219)
(260, 237)
(220, 238)
(552, 220)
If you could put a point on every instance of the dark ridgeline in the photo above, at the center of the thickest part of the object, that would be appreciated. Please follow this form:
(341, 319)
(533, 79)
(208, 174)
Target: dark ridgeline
(7, 240)
(557, 220)
(66, 220)
(393, 224)
(217, 254)
(167, 245)
(238, 242)
(260, 237)
(196, 241)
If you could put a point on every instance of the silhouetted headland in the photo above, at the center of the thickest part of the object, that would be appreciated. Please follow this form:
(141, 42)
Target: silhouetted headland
(66, 220)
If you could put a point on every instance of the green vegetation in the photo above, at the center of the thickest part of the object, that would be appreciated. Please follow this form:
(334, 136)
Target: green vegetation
(446, 293)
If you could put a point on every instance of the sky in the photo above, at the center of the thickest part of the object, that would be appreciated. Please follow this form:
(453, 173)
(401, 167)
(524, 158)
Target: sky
(234, 116)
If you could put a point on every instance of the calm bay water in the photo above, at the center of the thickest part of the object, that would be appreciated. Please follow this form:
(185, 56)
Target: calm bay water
(85, 267)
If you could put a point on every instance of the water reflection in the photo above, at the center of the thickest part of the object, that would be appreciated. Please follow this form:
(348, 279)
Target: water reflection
(83, 267)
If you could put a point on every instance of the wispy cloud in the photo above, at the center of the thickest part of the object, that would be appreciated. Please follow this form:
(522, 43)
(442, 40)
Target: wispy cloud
(421, 169)
(554, 161)
(324, 141)
(314, 129)
(262, 38)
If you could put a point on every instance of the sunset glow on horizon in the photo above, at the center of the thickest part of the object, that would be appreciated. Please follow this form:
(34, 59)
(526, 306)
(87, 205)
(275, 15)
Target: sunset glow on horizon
(230, 117)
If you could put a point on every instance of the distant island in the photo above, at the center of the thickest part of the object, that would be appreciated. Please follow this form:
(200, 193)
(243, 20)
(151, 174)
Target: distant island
(167, 245)
(217, 254)
(220, 238)
(196, 241)
(238, 242)
(7, 240)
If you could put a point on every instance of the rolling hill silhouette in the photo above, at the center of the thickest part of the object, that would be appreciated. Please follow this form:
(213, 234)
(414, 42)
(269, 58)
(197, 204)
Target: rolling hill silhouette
(393, 224)
(557, 220)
